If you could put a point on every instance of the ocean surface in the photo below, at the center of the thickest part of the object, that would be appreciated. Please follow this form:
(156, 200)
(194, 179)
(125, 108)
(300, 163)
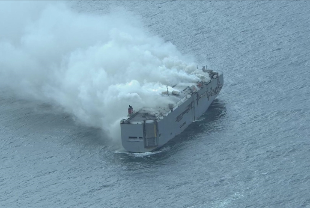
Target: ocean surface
(250, 149)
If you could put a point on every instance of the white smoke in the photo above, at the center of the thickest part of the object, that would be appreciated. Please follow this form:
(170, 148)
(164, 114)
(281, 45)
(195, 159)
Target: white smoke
(93, 66)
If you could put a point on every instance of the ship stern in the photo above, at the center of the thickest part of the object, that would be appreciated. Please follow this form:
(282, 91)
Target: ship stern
(139, 136)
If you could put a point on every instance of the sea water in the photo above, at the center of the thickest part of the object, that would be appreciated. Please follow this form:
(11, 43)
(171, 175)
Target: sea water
(250, 149)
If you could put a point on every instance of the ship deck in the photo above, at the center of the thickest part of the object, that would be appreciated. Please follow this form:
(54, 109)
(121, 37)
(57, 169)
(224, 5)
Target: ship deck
(152, 114)
(177, 95)
(141, 116)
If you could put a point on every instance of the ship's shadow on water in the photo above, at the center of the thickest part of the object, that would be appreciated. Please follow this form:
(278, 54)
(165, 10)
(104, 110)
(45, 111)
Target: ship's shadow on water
(208, 122)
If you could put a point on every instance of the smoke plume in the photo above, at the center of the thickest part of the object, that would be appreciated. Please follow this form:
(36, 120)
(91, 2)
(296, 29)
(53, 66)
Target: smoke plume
(92, 66)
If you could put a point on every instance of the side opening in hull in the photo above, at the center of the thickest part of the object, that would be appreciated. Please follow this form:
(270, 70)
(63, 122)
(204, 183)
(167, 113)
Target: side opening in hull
(150, 133)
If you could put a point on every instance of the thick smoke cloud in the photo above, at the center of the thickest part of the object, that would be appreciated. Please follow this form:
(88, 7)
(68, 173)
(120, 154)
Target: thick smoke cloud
(93, 66)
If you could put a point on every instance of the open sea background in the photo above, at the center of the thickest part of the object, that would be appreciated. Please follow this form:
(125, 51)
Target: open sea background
(250, 149)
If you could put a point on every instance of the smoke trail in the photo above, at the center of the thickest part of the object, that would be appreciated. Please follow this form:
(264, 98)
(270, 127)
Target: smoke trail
(92, 66)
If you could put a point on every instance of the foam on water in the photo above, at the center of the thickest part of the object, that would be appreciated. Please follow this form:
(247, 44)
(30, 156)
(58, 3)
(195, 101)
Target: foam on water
(143, 154)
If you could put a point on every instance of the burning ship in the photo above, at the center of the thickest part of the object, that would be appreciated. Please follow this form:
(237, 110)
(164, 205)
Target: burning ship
(149, 129)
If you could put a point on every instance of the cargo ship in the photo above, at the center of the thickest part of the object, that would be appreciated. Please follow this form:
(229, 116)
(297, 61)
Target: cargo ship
(149, 129)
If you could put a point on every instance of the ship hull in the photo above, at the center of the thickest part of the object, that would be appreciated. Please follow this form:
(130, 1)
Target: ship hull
(148, 135)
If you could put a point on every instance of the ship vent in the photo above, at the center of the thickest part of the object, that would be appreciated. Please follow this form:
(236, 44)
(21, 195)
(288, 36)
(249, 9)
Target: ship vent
(176, 93)
(133, 138)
